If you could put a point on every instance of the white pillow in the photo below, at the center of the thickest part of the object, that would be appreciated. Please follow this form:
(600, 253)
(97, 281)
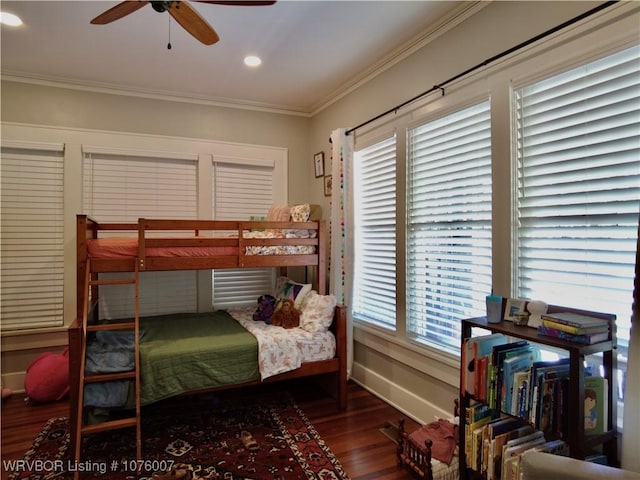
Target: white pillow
(317, 312)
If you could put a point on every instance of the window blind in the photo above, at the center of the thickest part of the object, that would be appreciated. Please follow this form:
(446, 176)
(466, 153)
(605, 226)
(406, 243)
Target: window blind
(374, 298)
(240, 191)
(32, 237)
(448, 223)
(578, 186)
(124, 187)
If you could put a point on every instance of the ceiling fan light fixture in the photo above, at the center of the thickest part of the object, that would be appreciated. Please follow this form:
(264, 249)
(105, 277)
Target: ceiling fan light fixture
(252, 61)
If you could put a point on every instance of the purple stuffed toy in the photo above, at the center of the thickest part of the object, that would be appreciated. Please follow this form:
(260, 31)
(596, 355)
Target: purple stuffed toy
(266, 306)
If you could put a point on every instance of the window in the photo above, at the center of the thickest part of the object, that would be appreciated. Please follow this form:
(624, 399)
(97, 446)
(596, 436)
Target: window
(124, 187)
(448, 224)
(374, 298)
(32, 237)
(240, 191)
(578, 190)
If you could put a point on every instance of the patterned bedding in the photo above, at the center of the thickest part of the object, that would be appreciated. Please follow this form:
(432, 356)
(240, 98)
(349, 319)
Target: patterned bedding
(281, 249)
(126, 247)
(281, 350)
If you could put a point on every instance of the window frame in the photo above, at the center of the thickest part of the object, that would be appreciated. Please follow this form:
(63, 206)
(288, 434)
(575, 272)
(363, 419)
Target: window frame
(454, 108)
(565, 50)
(39, 307)
(368, 142)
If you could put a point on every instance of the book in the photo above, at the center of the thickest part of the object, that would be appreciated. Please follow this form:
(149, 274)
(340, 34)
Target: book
(504, 361)
(470, 355)
(561, 401)
(572, 329)
(547, 407)
(512, 465)
(575, 319)
(498, 355)
(483, 348)
(475, 412)
(476, 447)
(584, 338)
(519, 387)
(476, 416)
(495, 449)
(556, 447)
(491, 430)
(596, 401)
(512, 450)
(541, 371)
(518, 363)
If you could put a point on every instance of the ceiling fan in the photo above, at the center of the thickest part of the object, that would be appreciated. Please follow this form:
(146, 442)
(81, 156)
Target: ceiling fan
(181, 11)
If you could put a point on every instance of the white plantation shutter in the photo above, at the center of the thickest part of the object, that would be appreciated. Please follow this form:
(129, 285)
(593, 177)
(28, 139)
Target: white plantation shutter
(120, 187)
(123, 188)
(448, 223)
(374, 298)
(240, 191)
(32, 237)
(578, 196)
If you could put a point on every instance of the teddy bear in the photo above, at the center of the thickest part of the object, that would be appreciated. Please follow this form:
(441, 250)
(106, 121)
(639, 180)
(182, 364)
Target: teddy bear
(286, 314)
(266, 306)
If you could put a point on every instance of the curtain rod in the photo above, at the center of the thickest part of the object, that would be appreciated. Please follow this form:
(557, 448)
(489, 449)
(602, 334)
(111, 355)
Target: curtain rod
(441, 86)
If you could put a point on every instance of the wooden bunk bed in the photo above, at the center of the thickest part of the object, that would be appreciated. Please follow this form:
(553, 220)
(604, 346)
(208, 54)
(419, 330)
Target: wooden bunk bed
(192, 245)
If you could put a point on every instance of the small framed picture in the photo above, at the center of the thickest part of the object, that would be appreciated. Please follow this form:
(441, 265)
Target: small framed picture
(328, 185)
(318, 161)
(514, 305)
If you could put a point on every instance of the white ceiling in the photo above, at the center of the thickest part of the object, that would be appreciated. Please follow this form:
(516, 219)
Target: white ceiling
(312, 50)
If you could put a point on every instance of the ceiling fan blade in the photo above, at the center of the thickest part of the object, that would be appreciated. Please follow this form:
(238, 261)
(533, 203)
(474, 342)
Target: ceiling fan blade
(121, 10)
(193, 23)
(241, 3)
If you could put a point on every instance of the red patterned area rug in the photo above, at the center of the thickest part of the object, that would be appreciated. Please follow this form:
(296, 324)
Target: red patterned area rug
(228, 435)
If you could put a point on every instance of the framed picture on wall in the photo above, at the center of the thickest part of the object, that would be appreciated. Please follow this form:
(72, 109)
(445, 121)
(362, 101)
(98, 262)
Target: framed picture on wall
(318, 160)
(328, 186)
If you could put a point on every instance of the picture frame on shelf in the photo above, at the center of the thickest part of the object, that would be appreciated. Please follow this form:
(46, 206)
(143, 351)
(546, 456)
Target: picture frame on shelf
(513, 306)
(328, 185)
(318, 163)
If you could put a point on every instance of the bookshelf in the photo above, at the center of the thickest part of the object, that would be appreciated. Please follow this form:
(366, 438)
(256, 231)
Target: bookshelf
(579, 444)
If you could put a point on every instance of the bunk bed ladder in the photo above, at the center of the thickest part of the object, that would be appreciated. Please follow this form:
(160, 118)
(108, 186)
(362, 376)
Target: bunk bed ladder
(133, 375)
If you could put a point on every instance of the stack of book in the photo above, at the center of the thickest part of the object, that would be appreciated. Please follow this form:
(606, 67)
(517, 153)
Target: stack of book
(574, 327)
(494, 444)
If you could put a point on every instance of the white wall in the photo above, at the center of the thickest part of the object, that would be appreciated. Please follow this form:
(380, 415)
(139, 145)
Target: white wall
(59, 107)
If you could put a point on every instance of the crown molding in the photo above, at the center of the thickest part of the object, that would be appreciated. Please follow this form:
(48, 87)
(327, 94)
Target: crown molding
(454, 18)
(113, 89)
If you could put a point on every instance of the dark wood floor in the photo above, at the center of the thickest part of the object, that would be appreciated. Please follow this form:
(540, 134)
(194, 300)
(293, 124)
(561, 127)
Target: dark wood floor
(353, 435)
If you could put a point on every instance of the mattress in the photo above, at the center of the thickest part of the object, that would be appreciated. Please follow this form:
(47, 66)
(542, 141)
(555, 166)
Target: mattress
(121, 247)
(194, 351)
(111, 248)
(185, 352)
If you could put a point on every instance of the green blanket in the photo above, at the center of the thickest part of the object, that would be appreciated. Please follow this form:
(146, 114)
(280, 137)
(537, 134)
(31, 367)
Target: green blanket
(191, 351)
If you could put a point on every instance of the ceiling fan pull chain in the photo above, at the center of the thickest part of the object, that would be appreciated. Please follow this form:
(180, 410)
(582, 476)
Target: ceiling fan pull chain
(169, 44)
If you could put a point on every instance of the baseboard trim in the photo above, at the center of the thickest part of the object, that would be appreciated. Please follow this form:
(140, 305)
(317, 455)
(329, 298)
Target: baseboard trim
(413, 406)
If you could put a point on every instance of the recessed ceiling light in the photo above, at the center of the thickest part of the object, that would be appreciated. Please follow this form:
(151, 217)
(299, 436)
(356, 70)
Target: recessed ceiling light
(10, 19)
(252, 61)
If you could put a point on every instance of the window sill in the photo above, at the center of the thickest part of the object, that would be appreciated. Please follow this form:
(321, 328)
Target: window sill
(440, 365)
(19, 340)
